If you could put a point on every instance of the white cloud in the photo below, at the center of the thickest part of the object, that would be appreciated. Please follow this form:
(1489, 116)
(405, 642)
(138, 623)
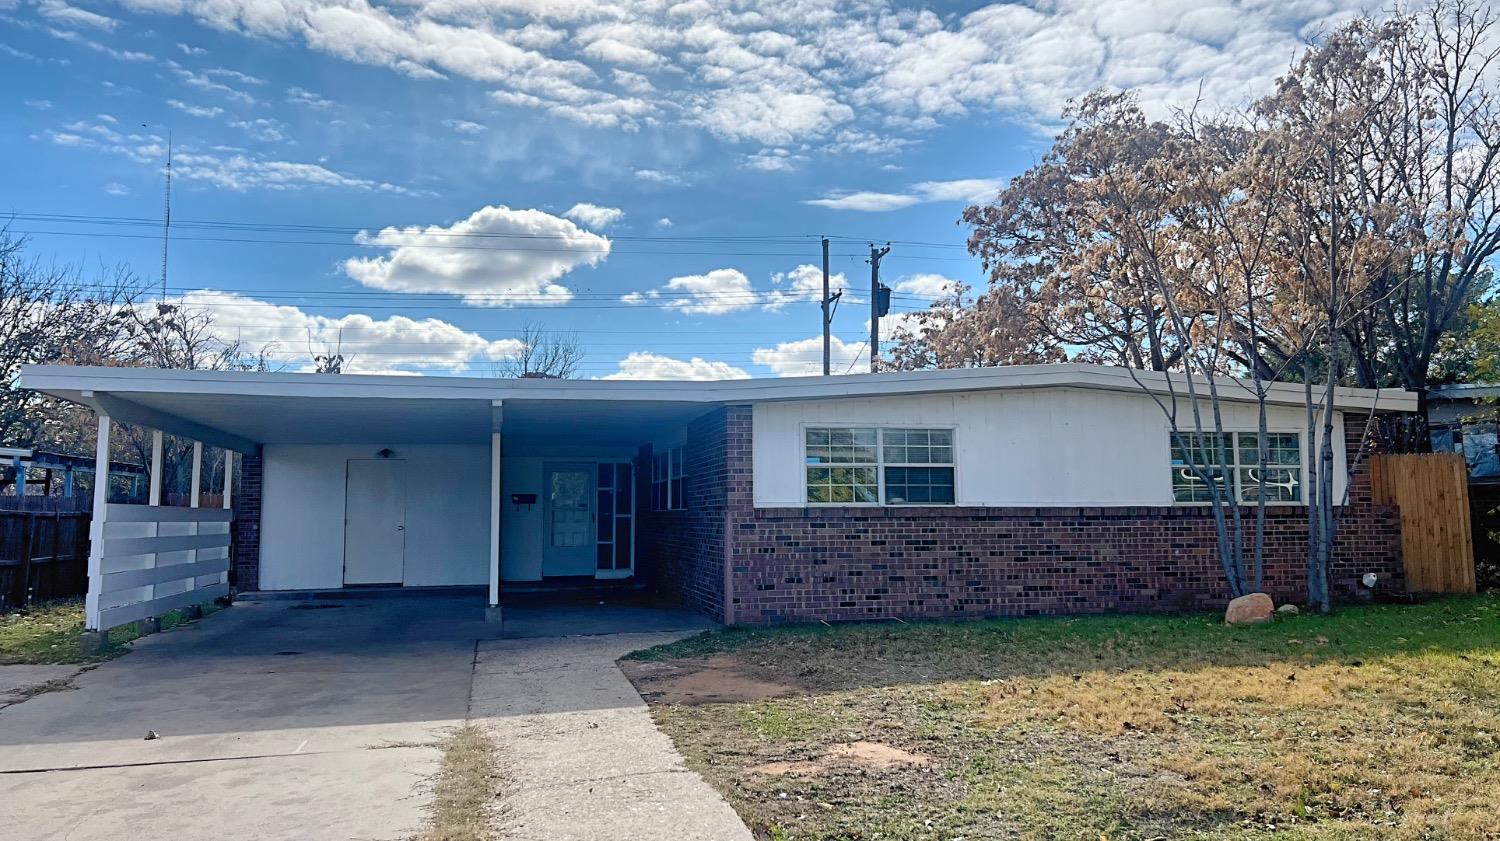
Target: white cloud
(262, 128)
(644, 365)
(60, 12)
(189, 49)
(926, 285)
(308, 99)
(393, 344)
(226, 73)
(961, 190)
(204, 111)
(115, 188)
(718, 292)
(656, 176)
(471, 258)
(801, 285)
(856, 76)
(664, 222)
(804, 358)
(38, 104)
(594, 215)
(464, 126)
(774, 160)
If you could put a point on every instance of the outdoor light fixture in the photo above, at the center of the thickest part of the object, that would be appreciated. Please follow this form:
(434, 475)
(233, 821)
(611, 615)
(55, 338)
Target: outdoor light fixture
(387, 452)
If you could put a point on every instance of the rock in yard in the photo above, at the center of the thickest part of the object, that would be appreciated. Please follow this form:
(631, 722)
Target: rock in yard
(1249, 609)
(1288, 609)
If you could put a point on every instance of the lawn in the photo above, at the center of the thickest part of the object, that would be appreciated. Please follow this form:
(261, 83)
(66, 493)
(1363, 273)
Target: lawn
(52, 632)
(1377, 722)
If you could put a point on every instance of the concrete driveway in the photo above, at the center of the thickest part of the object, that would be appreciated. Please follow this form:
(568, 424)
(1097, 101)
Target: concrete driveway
(276, 719)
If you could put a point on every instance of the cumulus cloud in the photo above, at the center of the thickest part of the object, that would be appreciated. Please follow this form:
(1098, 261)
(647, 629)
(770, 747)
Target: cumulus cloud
(664, 222)
(802, 284)
(394, 344)
(804, 357)
(594, 215)
(718, 292)
(926, 285)
(856, 76)
(308, 99)
(204, 111)
(468, 258)
(464, 126)
(644, 365)
(774, 160)
(961, 190)
(61, 13)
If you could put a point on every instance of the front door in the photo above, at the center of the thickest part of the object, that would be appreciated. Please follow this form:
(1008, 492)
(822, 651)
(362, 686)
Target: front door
(568, 519)
(375, 522)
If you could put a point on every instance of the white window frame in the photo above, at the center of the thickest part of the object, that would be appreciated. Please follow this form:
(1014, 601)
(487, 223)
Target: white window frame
(1235, 466)
(880, 464)
(676, 468)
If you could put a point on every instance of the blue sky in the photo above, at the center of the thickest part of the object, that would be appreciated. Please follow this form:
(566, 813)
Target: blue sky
(429, 175)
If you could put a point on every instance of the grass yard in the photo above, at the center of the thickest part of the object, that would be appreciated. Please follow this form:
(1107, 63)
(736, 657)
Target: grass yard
(51, 633)
(1378, 722)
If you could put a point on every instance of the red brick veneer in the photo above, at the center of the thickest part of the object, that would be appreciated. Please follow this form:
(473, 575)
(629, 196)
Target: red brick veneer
(792, 564)
(246, 544)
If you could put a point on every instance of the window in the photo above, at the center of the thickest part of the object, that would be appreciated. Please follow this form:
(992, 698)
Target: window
(668, 482)
(1281, 474)
(873, 465)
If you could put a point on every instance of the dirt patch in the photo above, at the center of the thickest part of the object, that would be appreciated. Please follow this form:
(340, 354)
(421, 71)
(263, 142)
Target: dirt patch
(871, 755)
(720, 679)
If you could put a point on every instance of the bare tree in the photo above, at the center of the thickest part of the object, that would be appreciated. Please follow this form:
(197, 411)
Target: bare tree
(543, 354)
(50, 314)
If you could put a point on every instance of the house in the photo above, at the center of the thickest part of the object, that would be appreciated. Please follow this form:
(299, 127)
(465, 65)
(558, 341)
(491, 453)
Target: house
(974, 492)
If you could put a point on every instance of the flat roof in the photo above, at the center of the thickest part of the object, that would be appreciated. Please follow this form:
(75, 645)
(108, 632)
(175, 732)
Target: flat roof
(69, 382)
(241, 409)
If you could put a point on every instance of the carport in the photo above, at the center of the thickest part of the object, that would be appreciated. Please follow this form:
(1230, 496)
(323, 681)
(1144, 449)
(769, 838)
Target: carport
(361, 482)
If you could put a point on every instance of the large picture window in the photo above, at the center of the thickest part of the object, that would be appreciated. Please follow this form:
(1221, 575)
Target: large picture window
(876, 465)
(1197, 457)
(668, 480)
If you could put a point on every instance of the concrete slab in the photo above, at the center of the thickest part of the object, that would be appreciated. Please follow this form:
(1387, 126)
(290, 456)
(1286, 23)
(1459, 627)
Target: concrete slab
(584, 760)
(321, 719)
(276, 721)
(18, 682)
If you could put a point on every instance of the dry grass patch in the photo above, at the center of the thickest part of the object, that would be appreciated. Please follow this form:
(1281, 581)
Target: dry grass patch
(466, 792)
(1378, 722)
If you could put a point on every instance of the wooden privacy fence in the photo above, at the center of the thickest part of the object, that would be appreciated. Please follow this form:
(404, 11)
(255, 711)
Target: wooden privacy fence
(149, 559)
(1432, 492)
(43, 555)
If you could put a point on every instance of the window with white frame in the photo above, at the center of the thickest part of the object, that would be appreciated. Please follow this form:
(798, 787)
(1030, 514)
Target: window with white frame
(668, 482)
(1197, 460)
(879, 465)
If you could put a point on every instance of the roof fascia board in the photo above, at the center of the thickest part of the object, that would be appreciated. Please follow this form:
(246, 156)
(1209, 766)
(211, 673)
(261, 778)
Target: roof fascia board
(1079, 375)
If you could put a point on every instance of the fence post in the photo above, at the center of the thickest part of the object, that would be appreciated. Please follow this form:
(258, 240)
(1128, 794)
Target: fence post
(21, 586)
(56, 558)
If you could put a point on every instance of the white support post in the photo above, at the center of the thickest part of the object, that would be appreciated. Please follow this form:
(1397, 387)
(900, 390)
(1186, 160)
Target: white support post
(96, 527)
(494, 611)
(228, 478)
(156, 466)
(193, 493)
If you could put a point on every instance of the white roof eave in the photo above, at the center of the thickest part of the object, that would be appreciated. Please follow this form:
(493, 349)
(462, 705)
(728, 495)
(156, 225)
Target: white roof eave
(68, 381)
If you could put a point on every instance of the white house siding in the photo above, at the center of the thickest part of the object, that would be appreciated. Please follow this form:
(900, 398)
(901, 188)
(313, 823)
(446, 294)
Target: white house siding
(1019, 448)
(302, 515)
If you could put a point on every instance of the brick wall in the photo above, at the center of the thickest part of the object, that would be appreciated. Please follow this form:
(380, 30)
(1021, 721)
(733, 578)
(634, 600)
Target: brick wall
(685, 550)
(867, 563)
(246, 545)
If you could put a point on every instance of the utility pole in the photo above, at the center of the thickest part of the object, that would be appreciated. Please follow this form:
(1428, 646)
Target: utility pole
(880, 302)
(166, 219)
(827, 316)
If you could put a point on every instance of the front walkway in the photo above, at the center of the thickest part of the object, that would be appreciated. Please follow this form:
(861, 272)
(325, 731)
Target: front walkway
(321, 719)
(584, 760)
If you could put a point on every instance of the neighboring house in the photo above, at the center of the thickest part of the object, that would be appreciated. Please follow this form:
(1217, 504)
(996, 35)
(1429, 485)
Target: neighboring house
(974, 492)
(1464, 419)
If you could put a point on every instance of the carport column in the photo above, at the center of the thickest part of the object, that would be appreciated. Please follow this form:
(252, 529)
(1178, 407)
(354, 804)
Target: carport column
(493, 613)
(157, 463)
(96, 527)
